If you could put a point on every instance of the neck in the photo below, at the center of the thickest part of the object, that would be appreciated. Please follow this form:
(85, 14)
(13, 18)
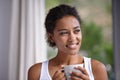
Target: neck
(67, 59)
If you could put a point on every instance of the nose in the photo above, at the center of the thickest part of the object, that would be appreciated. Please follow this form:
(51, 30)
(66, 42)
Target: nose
(72, 37)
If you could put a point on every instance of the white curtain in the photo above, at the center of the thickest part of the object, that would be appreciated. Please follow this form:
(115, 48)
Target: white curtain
(27, 40)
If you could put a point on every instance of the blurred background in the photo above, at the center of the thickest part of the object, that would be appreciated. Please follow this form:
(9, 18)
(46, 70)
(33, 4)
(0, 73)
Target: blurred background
(23, 42)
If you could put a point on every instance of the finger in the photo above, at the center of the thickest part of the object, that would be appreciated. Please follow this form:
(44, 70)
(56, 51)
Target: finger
(62, 66)
(76, 74)
(83, 70)
(56, 74)
(62, 78)
(59, 75)
(80, 75)
(75, 78)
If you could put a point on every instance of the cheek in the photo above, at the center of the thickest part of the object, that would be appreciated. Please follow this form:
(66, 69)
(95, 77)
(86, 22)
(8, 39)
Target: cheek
(80, 37)
(60, 41)
(59, 44)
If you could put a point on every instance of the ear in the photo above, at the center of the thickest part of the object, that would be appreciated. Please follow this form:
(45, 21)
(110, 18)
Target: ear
(50, 37)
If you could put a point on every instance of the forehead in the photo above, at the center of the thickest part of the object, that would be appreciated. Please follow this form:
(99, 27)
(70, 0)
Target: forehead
(67, 22)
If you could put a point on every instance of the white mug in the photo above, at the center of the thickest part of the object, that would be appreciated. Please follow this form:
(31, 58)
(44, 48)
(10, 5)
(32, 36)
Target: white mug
(69, 68)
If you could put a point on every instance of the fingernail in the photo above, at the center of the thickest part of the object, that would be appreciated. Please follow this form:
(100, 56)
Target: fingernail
(62, 70)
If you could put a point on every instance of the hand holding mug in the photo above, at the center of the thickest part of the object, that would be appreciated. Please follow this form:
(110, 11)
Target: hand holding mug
(76, 72)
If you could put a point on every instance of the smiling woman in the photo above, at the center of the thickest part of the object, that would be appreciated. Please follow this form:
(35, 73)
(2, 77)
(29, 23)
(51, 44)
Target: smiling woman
(64, 32)
(67, 35)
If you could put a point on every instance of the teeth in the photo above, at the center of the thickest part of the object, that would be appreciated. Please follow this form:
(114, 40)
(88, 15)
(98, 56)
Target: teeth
(72, 45)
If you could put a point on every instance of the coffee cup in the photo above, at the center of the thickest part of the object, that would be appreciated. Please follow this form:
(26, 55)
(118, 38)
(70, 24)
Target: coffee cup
(70, 68)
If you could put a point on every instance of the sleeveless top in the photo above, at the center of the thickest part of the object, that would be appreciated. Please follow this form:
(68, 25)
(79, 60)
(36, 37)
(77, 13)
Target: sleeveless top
(46, 76)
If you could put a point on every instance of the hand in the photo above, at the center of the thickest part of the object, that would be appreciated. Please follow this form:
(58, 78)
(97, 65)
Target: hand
(79, 76)
(59, 75)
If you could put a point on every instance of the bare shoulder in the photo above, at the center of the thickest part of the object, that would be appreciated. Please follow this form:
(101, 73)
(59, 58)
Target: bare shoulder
(99, 70)
(34, 72)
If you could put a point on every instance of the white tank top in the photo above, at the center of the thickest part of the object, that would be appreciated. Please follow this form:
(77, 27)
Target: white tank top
(46, 76)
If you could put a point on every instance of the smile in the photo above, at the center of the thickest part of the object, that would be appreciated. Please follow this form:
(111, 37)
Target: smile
(72, 46)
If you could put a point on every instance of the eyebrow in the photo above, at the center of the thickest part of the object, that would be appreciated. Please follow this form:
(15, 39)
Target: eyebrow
(66, 29)
(76, 27)
(62, 30)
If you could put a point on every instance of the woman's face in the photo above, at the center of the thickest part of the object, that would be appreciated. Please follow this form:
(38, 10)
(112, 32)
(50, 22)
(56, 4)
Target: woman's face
(67, 35)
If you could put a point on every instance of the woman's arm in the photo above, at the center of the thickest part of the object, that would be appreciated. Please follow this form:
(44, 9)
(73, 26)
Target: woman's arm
(34, 72)
(99, 70)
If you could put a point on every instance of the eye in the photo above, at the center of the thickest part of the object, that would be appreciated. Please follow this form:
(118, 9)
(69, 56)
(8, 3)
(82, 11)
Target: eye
(77, 31)
(63, 33)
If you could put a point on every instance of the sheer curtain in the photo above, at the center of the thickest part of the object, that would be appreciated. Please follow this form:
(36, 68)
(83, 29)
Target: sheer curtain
(27, 38)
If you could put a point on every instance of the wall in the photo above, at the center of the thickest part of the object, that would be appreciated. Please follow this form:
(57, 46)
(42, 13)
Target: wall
(5, 14)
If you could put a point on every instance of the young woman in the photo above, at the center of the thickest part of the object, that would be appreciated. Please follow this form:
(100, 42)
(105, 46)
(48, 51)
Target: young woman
(64, 32)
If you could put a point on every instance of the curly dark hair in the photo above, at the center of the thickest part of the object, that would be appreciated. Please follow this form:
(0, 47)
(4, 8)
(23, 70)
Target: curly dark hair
(57, 13)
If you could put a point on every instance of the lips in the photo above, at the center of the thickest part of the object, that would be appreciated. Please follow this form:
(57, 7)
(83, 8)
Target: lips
(72, 46)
